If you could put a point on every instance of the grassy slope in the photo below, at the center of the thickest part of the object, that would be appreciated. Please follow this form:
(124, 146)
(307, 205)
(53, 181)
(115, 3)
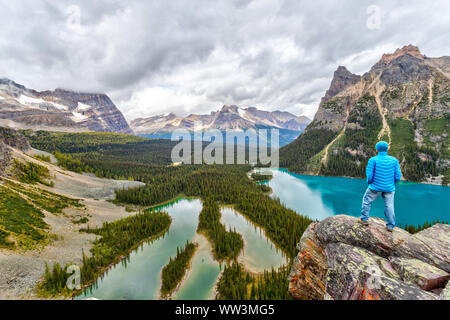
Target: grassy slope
(21, 222)
(402, 135)
(22, 215)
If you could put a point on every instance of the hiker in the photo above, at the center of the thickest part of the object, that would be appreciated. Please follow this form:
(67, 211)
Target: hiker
(383, 173)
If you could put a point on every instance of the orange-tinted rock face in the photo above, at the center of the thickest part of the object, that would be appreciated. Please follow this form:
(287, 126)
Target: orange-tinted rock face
(341, 259)
(308, 280)
(388, 57)
(342, 79)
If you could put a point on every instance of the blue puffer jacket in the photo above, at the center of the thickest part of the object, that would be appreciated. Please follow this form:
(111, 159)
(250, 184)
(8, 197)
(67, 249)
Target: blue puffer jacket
(383, 172)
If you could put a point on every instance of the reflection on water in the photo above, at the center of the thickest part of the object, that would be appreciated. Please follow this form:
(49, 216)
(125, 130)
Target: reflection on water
(203, 274)
(321, 197)
(139, 278)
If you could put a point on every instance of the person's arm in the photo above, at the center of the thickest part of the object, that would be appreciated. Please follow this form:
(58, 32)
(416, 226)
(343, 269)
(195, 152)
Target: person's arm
(370, 170)
(397, 173)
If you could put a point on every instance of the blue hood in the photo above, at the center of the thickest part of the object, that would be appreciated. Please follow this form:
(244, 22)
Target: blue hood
(382, 146)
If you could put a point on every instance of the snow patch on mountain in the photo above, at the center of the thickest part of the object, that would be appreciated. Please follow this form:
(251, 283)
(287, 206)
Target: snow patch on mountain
(78, 117)
(59, 110)
(83, 106)
(243, 114)
(231, 118)
(33, 102)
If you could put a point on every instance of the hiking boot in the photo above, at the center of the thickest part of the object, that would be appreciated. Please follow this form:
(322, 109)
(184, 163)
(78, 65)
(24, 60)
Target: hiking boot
(389, 229)
(363, 222)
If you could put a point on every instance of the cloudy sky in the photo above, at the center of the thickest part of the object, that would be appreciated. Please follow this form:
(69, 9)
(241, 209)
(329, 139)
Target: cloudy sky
(193, 56)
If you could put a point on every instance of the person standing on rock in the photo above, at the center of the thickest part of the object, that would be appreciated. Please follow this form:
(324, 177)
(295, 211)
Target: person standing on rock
(383, 173)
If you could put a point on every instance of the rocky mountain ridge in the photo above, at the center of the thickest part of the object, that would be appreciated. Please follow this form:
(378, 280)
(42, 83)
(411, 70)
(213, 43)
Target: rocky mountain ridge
(388, 57)
(403, 99)
(58, 110)
(228, 118)
(340, 259)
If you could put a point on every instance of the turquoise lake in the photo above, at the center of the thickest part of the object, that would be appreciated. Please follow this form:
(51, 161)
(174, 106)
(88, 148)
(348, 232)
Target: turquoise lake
(138, 277)
(321, 197)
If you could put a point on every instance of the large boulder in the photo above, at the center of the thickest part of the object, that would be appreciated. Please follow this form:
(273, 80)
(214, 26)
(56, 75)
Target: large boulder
(417, 272)
(374, 237)
(430, 245)
(343, 260)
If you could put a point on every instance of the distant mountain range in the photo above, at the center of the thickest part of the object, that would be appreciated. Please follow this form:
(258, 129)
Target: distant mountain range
(403, 99)
(228, 118)
(58, 110)
(68, 111)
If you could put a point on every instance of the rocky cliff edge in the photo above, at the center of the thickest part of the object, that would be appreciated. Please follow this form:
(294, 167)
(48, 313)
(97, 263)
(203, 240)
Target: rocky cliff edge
(340, 259)
(11, 138)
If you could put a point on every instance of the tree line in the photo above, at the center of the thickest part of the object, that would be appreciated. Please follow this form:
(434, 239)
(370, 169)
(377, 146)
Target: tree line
(117, 239)
(238, 284)
(229, 185)
(174, 271)
(226, 243)
(425, 225)
(215, 184)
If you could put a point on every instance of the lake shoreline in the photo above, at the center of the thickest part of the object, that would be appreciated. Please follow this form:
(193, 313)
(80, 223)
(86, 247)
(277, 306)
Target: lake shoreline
(319, 197)
(182, 281)
(310, 174)
(241, 255)
(203, 246)
(119, 258)
(180, 211)
(215, 290)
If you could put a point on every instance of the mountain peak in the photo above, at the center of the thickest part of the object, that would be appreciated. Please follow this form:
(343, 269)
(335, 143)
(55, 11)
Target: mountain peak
(227, 108)
(405, 87)
(228, 117)
(60, 110)
(342, 78)
(341, 70)
(9, 82)
(388, 57)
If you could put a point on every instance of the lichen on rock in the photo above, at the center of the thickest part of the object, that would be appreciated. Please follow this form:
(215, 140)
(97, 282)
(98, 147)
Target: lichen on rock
(340, 259)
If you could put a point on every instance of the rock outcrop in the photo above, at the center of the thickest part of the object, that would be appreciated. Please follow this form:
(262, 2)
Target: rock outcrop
(341, 259)
(12, 138)
(342, 79)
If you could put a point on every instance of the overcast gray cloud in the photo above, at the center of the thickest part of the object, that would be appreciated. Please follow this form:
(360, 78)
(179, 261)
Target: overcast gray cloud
(163, 56)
